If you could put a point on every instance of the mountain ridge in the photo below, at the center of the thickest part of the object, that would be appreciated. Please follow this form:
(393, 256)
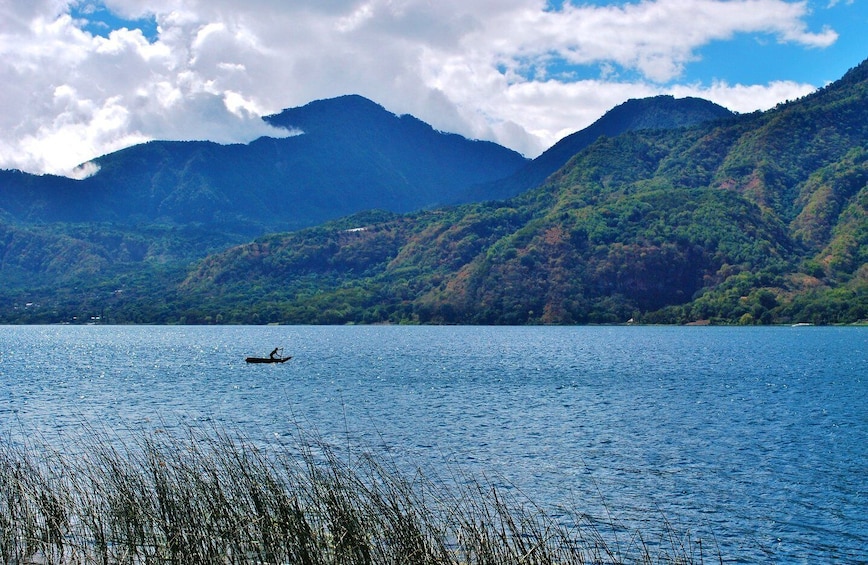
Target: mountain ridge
(655, 112)
(359, 156)
(759, 218)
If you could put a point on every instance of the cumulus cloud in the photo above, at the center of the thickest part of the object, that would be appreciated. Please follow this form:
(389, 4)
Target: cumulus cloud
(503, 70)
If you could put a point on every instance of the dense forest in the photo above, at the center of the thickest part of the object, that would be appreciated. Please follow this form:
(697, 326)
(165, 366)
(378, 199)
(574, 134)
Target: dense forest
(748, 219)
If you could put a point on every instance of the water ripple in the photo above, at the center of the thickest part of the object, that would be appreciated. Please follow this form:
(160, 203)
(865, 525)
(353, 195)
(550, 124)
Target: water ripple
(751, 439)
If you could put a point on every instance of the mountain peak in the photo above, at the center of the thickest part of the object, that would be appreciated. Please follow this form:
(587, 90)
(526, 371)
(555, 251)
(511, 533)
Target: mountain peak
(661, 112)
(655, 112)
(354, 155)
(330, 113)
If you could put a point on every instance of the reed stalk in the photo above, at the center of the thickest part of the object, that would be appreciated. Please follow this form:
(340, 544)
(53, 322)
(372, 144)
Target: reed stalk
(211, 497)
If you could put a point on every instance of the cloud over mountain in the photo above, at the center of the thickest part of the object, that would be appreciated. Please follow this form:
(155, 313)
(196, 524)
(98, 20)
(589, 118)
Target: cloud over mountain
(83, 78)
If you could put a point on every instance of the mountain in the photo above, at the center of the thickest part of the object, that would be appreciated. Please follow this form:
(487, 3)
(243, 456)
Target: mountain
(757, 219)
(351, 155)
(156, 207)
(656, 112)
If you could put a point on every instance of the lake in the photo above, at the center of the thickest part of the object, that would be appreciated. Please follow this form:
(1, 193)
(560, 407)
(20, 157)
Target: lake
(751, 439)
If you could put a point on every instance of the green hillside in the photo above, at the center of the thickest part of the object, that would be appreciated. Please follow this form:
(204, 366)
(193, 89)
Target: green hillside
(759, 219)
(754, 219)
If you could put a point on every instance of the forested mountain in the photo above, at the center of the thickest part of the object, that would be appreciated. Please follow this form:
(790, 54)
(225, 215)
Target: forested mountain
(757, 218)
(656, 112)
(155, 208)
(161, 205)
(352, 155)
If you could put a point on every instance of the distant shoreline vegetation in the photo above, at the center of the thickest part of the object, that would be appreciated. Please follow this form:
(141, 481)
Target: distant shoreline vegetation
(745, 299)
(205, 497)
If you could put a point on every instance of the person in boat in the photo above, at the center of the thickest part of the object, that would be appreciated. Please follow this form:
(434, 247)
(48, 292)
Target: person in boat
(273, 354)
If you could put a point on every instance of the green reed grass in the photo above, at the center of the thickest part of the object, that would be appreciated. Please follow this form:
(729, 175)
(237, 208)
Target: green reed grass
(210, 497)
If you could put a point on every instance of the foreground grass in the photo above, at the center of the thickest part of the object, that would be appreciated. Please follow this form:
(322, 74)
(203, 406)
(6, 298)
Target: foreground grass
(212, 498)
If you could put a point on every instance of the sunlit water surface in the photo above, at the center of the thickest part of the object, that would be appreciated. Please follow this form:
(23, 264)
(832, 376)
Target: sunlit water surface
(751, 439)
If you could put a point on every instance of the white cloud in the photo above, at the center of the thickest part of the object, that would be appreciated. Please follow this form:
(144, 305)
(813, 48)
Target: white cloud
(84, 171)
(490, 69)
(746, 98)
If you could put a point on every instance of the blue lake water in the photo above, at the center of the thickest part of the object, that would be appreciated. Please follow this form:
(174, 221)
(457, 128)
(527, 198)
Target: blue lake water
(754, 440)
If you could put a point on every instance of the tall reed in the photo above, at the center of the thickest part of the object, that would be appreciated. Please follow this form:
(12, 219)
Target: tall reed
(211, 497)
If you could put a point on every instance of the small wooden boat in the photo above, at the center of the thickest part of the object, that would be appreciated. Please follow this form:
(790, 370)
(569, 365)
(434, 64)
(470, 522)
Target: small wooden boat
(268, 359)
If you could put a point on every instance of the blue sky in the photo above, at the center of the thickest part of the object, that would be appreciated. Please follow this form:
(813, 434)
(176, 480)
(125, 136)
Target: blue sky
(86, 77)
(732, 59)
(753, 58)
(97, 19)
(749, 59)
